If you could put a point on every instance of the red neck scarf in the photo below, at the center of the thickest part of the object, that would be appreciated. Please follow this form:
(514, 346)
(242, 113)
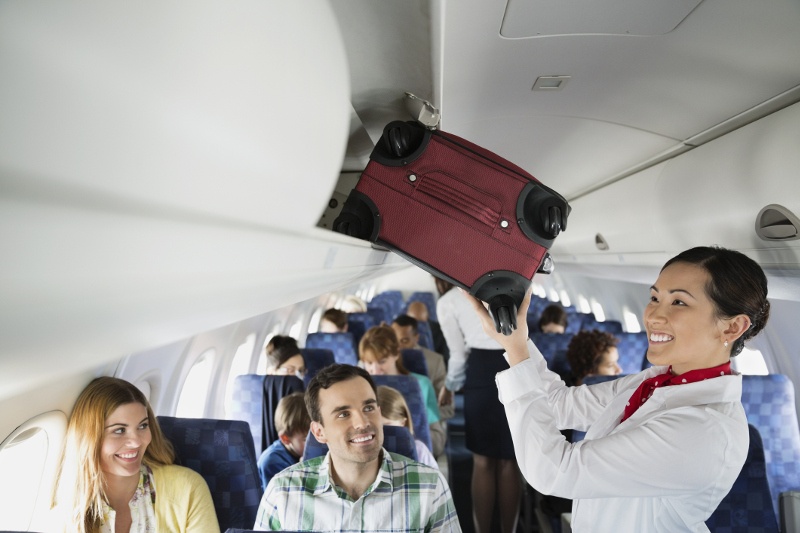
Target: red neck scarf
(645, 390)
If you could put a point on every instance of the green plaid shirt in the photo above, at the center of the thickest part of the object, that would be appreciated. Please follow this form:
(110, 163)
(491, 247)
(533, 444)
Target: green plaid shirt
(406, 496)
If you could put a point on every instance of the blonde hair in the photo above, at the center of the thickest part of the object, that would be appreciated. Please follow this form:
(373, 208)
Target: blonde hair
(291, 415)
(80, 482)
(381, 341)
(393, 406)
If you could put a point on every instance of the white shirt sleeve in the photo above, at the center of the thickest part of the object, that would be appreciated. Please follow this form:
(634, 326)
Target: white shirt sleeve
(456, 343)
(669, 454)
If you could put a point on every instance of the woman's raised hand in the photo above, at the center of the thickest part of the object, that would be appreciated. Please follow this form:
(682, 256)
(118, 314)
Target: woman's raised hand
(516, 344)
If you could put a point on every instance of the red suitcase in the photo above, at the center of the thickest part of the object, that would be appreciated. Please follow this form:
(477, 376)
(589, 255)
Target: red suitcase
(458, 211)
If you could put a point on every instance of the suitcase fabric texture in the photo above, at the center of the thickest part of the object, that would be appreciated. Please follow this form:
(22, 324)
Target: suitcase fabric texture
(458, 211)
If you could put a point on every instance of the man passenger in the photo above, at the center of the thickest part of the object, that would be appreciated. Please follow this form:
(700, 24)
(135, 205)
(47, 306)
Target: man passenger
(357, 485)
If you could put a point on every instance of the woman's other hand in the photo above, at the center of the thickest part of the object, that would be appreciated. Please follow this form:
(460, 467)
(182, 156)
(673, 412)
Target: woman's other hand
(445, 397)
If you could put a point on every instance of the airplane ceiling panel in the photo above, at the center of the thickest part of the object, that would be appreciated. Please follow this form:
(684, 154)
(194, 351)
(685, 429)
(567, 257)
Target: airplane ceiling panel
(530, 18)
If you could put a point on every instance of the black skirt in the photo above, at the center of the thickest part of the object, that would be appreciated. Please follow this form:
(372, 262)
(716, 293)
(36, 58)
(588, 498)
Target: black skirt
(485, 419)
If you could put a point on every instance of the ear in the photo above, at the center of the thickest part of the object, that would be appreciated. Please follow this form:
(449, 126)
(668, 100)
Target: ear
(284, 438)
(736, 327)
(318, 431)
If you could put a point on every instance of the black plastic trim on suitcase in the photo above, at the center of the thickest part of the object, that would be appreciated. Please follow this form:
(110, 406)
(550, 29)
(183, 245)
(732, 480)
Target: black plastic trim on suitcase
(504, 291)
(401, 143)
(541, 213)
(359, 218)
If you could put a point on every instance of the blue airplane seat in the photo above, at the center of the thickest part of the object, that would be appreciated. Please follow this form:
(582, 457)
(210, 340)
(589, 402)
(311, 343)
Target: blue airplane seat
(247, 404)
(632, 350)
(748, 505)
(610, 326)
(358, 324)
(222, 452)
(396, 439)
(414, 361)
(425, 335)
(550, 343)
(393, 300)
(769, 403)
(379, 312)
(341, 344)
(409, 388)
(316, 359)
(428, 298)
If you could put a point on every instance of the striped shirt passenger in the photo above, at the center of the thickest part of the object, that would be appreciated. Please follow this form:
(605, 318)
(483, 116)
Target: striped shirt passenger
(405, 497)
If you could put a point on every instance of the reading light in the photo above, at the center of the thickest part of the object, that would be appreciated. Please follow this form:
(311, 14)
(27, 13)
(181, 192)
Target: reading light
(550, 83)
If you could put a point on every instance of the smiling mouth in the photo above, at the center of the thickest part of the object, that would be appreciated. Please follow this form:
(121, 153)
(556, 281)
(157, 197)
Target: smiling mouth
(128, 456)
(362, 439)
(660, 337)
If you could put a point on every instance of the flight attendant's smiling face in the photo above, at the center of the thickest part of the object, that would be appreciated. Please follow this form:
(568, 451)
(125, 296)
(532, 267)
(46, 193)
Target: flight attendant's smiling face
(126, 435)
(681, 321)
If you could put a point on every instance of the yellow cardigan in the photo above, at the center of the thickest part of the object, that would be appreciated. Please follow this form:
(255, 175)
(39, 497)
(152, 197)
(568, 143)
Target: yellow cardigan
(183, 501)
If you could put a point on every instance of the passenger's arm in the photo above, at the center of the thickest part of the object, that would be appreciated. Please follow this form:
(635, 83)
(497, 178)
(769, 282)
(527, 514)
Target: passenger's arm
(267, 518)
(444, 517)
(201, 516)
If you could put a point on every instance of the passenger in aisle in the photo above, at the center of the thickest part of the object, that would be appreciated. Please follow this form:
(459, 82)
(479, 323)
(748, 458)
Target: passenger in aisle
(475, 358)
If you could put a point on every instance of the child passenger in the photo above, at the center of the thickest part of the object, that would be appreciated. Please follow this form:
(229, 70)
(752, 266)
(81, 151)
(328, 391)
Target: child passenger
(292, 423)
(395, 412)
(116, 472)
(379, 351)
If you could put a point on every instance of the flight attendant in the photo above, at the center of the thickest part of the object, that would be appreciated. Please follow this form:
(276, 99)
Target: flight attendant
(663, 447)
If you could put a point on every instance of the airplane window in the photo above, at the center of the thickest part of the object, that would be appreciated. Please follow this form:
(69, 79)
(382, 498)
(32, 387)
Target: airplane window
(553, 295)
(750, 362)
(583, 304)
(539, 291)
(597, 309)
(565, 301)
(239, 366)
(192, 401)
(28, 457)
(296, 329)
(631, 321)
(313, 325)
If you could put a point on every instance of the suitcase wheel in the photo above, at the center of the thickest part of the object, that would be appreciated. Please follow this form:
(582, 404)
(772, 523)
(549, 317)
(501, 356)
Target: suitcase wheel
(503, 310)
(400, 144)
(359, 218)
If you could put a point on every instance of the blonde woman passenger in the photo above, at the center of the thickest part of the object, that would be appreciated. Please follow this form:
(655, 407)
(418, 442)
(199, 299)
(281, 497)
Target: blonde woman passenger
(395, 412)
(117, 473)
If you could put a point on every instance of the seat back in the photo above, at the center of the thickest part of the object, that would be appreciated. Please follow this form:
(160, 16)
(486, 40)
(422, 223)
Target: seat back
(550, 343)
(410, 389)
(396, 439)
(770, 406)
(414, 361)
(392, 302)
(358, 324)
(609, 326)
(222, 452)
(275, 388)
(247, 403)
(341, 344)
(316, 359)
(632, 350)
(428, 299)
(748, 505)
(425, 335)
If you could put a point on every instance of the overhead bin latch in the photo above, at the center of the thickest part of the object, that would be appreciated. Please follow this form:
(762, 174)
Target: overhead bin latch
(422, 111)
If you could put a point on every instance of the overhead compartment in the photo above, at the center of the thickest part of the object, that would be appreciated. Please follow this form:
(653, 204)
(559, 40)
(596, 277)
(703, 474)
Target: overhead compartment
(710, 195)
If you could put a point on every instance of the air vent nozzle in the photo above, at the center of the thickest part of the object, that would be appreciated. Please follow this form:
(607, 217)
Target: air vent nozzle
(776, 223)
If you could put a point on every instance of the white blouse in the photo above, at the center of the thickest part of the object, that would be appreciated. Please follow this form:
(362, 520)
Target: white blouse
(665, 469)
(462, 330)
